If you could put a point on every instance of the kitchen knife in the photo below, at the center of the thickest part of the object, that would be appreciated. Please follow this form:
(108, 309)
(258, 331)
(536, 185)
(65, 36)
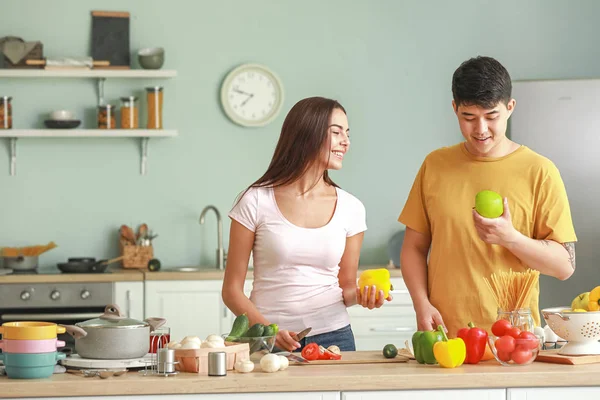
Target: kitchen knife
(298, 337)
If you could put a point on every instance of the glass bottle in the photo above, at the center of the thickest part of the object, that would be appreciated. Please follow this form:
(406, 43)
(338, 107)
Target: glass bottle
(106, 117)
(5, 112)
(129, 113)
(154, 96)
(521, 318)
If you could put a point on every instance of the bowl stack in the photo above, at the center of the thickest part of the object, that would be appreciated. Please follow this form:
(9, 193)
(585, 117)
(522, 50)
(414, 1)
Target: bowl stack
(29, 348)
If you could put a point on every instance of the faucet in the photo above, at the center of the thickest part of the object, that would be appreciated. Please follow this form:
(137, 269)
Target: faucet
(221, 255)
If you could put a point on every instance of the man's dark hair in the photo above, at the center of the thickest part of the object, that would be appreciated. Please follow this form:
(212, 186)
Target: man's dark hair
(481, 81)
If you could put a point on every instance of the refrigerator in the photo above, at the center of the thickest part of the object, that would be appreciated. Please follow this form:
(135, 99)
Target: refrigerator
(560, 119)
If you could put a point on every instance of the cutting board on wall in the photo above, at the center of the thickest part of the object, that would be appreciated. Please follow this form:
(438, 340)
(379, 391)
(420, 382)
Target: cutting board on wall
(552, 356)
(358, 357)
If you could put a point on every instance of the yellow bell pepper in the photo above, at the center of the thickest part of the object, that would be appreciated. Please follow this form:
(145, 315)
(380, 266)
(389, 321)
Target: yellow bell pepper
(449, 353)
(594, 303)
(378, 277)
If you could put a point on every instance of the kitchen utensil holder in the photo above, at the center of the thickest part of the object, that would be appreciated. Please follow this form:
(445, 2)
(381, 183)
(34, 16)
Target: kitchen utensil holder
(152, 366)
(136, 256)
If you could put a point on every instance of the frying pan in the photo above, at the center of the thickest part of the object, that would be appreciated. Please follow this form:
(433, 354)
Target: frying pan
(86, 265)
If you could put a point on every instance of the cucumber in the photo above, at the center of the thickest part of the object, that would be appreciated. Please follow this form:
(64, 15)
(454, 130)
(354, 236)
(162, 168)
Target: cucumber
(270, 330)
(239, 328)
(255, 331)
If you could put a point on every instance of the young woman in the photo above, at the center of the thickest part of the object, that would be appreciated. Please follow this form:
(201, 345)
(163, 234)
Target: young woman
(305, 234)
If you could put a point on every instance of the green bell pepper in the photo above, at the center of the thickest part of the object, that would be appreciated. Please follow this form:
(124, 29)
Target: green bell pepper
(422, 342)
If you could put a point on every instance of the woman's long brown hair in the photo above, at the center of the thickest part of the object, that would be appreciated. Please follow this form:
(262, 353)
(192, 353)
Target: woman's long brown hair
(304, 134)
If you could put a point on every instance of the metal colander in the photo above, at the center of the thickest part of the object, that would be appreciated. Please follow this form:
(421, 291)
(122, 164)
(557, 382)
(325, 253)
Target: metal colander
(581, 330)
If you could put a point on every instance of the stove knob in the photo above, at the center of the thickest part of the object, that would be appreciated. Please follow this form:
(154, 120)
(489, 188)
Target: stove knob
(85, 294)
(25, 295)
(55, 295)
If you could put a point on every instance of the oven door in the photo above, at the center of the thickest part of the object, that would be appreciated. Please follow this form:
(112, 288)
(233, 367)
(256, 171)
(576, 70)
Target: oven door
(60, 316)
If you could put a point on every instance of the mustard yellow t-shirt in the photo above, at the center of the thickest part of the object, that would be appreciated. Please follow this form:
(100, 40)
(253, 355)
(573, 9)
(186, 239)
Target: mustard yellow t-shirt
(440, 204)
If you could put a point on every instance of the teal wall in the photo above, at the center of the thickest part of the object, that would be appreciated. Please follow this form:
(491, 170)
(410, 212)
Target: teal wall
(388, 62)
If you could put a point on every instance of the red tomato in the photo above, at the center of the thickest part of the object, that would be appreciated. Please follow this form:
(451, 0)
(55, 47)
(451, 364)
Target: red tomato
(521, 356)
(505, 344)
(528, 340)
(504, 356)
(500, 327)
(311, 352)
(514, 332)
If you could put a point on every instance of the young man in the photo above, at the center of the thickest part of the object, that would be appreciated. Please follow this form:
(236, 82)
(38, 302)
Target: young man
(448, 247)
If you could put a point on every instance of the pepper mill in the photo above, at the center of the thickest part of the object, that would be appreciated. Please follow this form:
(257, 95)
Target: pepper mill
(217, 363)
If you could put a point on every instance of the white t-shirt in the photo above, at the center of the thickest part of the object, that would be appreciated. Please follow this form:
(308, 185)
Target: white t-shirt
(296, 269)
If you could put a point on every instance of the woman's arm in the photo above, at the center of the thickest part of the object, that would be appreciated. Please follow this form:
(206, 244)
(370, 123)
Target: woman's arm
(348, 268)
(241, 241)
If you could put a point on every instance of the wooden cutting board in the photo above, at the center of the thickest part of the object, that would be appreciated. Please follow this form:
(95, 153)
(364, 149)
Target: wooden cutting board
(358, 357)
(552, 356)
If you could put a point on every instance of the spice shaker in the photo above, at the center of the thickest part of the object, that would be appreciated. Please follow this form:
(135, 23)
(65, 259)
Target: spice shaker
(166, 361)
(217, 363)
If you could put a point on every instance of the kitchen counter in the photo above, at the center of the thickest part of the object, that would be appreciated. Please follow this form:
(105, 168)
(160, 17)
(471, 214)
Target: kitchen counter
(209, 273)
(116, 274)
(113, 275)
(311, 378)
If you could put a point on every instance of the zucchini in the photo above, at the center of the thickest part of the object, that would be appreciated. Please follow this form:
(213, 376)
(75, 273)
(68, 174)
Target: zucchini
(239, 328)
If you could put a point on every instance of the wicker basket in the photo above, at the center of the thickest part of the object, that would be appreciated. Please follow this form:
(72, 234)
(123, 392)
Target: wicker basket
(196, 360)
(136, 256)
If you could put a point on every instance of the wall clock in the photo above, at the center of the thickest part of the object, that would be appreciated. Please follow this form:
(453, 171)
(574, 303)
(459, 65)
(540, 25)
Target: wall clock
(251, 95)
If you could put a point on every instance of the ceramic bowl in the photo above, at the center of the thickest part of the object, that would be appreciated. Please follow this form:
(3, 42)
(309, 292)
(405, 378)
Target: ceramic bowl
(62, 115)
(30, 346)
(257, 343)
(525, 352)
(30, 330)
(30, 366)
(151, 58)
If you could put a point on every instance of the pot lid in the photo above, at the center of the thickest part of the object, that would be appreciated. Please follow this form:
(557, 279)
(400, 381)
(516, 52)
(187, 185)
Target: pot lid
(112, 318)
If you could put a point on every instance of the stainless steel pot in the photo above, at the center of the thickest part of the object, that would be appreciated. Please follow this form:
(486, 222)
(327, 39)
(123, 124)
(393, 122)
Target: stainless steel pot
(113, 336)
(21, 263)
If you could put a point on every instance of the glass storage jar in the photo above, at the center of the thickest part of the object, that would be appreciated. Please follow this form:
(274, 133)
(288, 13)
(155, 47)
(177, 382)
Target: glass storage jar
(154, 96)
(5, 112)
(106, 117)
(129, 113)
(521, 318)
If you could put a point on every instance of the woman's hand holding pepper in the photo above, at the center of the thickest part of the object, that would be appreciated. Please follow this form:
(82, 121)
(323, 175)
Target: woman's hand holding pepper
(368, 299)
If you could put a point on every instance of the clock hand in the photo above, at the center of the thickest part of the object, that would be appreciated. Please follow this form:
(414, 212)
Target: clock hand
(245, 101)
(241, 92)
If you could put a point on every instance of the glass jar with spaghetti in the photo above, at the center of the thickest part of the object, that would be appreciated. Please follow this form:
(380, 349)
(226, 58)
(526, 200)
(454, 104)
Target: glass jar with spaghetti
(129, 113)
(154, 97)
(5, 112)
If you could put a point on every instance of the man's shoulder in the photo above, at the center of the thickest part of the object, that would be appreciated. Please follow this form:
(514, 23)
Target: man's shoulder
(535, 159)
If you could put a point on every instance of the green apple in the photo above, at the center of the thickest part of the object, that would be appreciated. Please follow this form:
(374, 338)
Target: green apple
(489, 204)
(581, 301)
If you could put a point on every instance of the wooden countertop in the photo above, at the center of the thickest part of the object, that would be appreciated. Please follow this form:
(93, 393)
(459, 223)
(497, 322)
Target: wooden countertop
(122, 275)
(208, 273)
(306, 378)
(112, 275)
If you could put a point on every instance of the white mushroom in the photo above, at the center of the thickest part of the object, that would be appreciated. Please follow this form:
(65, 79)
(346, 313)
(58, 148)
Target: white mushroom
(270, 363)
(244, 366)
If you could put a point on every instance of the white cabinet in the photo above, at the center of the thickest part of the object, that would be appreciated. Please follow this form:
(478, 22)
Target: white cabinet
(129, 296)
(456, 394)
(555, 393)
(190, 307)
(394, 323)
